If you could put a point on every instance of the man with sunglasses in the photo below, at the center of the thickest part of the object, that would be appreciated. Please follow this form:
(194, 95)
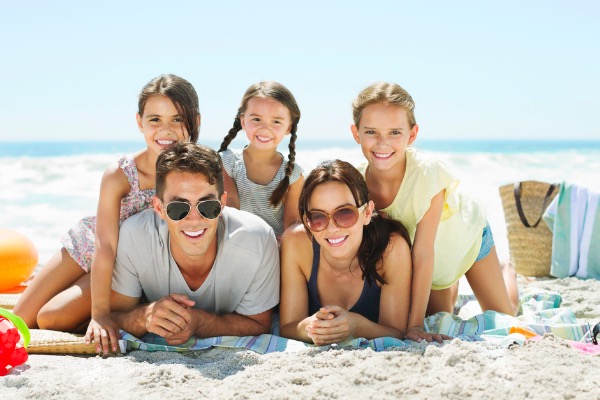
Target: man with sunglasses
(199, 268)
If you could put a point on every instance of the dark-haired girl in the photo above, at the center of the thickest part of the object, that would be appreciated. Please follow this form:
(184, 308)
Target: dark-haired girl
(61, 296)
(345, 271)
(259, 179)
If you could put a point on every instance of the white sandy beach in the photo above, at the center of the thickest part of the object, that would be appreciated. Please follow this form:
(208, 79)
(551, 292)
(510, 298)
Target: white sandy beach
(547, 369)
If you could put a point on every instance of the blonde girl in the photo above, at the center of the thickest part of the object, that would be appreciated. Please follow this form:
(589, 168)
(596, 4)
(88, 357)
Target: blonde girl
(449, 230)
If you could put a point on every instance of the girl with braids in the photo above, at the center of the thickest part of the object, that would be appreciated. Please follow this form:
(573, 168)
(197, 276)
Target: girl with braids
(345, 271)
(258, 179)
(61, 296)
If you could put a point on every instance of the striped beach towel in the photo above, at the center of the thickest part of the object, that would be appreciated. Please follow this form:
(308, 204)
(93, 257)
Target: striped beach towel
(541, 313)
(574, 218)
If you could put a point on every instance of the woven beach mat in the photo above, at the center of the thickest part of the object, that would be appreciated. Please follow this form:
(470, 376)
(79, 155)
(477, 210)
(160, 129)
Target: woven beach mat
(43, 341)
(54, 342)
(529, 238)
(8, 300)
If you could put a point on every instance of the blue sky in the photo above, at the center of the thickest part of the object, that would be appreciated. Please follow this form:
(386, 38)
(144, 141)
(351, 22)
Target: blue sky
(476, 69)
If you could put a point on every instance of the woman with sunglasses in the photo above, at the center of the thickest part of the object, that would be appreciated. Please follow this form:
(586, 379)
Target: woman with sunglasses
(345, 271)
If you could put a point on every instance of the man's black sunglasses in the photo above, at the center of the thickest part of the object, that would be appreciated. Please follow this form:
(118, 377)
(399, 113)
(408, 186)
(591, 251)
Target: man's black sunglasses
(209, 209)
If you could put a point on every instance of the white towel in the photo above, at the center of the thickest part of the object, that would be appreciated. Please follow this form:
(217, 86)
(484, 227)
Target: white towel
(574, 218)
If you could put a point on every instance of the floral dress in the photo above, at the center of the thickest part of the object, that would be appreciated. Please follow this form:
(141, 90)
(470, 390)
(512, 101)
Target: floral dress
(80, 240)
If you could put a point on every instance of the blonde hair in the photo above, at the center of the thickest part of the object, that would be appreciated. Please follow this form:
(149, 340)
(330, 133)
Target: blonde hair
(384, 92)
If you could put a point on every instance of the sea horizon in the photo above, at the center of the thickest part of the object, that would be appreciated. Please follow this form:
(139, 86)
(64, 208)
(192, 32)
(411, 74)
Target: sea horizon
(9, 148)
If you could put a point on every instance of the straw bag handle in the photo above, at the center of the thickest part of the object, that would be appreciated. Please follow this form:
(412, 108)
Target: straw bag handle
(517, 190)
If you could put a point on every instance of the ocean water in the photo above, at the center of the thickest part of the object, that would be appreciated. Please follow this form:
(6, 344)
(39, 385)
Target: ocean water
(45, 188)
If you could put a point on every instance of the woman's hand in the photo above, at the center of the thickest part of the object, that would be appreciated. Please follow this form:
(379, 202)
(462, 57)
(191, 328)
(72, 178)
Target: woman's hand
(104, 331)
(331, 324)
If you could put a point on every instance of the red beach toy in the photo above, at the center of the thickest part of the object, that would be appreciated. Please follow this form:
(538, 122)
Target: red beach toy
(11, 352)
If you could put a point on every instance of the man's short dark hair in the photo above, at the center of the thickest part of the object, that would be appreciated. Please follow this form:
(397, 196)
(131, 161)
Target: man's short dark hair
(192, 158)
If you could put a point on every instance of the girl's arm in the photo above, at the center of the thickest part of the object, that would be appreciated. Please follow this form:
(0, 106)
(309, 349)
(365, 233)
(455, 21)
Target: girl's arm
(290, 207)
(293, 304)
(423, 257)
(113, 187)
(233, 197)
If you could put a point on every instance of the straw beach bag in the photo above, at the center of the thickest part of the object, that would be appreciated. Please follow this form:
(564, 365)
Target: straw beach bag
(529, 241)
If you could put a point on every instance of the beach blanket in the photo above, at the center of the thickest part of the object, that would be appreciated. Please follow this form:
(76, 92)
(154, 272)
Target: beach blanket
(541, 313)
(574, 219)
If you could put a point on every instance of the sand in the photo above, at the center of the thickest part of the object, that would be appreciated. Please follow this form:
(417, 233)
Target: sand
(547, 369)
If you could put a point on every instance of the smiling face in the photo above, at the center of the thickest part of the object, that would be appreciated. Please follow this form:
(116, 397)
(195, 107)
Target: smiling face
(194, 237)
(384, 134)
(161, 124)
(265, 122)
(338, 242)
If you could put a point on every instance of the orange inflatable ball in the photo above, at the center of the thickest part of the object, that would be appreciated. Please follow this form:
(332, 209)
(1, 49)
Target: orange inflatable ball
(18, 258)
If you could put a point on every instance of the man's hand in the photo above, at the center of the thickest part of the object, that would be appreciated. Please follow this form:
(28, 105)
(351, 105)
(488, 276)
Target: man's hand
(182, 337)
(170, 316)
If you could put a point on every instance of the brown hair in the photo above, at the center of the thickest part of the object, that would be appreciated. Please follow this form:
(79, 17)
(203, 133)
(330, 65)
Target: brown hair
(192, 158)
(181, 93)
(376, 235)
(275, 91)
(384, 92)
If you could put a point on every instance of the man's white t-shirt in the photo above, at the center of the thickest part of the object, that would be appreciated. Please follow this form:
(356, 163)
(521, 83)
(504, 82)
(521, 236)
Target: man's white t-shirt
(244, 277)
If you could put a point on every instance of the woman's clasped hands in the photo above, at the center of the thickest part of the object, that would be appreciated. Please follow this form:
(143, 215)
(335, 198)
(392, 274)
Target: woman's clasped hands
(331, 324)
